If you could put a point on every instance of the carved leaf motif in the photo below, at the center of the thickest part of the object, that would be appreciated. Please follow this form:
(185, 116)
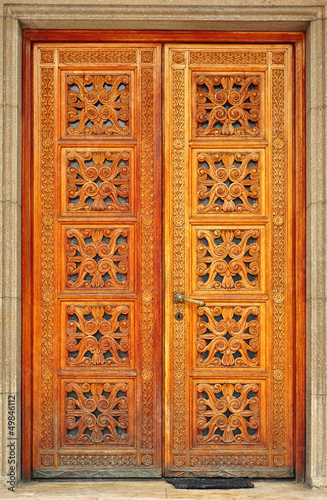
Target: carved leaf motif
(228, 182)
(98, 335)
(228, 336)
(97, 258)
(228, 413)
(98, 104)
(96, 413)
(228, 259)
(98, 181)
(227, 105)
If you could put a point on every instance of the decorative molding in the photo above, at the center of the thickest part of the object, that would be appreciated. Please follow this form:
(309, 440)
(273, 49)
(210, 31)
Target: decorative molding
(96, 56)
(125, 460)
(178, 165)
(47, 256)
(147, 255)
(214, 57)
(222, 460)
(278, 256)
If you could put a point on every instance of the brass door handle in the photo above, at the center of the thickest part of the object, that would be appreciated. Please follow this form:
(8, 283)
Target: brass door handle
(179, 297)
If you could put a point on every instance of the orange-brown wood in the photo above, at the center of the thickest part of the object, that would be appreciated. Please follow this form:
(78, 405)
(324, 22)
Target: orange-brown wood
(230, 368)
(47, 409)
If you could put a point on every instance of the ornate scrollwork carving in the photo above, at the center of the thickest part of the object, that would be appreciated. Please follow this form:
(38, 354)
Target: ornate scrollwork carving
(228, 182)
(227, 105)
(97, 56)
(228, 336)
(228, 259)
(98, 335)
(222, 57)
(97, 258)
(96, 413)
(98, 104)
(230, 460)
(98, 181)
(228, 413)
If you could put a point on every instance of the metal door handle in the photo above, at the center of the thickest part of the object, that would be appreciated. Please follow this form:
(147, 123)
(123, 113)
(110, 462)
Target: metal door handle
(179, 297)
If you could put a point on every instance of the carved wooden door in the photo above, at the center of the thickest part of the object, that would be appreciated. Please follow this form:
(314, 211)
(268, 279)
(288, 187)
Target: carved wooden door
(97, 370)
(98, 348)
(229, 230)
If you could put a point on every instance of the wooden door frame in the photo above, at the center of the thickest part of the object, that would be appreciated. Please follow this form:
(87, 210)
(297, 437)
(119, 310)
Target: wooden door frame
(297, 39)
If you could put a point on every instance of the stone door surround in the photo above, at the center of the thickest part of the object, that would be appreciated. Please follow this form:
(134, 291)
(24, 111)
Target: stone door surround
(207, 15)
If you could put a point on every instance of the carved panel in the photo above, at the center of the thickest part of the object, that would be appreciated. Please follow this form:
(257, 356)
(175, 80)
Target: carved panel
(228, 414)
(97, 56)
(228, 336)
(98, 335)
(227, 105)
(228, 182)
(99, 104)
(47, 255)
(98, 181)
(96, 413)
(228, 259)
(230, 460)
(125, 460)
(97, 258)
(215, 57)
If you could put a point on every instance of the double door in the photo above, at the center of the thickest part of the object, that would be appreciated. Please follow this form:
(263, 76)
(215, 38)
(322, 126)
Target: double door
(130, 378)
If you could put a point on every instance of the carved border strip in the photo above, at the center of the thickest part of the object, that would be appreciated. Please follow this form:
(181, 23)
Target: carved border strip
(278, 263)
(228, 57)
(229, 460)
(97, 460)
(178, 164)
(96, 56)
(147, 254)
(47, 263)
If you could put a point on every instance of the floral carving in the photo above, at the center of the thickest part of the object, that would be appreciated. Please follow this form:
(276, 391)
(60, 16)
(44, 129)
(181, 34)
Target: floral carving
(227, 105)
(96, 413)
(47, 256)
(98, 181)
(97, 258)
(228, 336)
(230, 460)
(97, 56)
(98, 335)
(228, 182)
(228, 259)
(98, 104)
(228, 413)
(125, 460)
(222, 57)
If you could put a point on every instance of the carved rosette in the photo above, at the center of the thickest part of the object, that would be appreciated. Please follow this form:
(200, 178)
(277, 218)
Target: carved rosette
(47, 255)
(278, 258)
(147, 255)
(178, 164)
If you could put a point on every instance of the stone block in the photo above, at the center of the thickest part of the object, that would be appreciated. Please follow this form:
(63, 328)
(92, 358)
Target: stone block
(11, 345)
(316, 161)
(316, 259)
(11, 250)
(12, 72)
(316, 342)
(12, 154)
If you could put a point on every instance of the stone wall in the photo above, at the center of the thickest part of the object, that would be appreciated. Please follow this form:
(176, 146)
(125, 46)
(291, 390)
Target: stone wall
(270, 15)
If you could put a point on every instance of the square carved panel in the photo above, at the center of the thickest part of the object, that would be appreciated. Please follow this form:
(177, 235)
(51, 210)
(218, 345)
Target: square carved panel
(228, 182)
(228, 413)
(97, 258)
(228, 105)
(96, 413)
(97, 335)
(98, 104)
(228, 336)
(228, 259)
(98, 181)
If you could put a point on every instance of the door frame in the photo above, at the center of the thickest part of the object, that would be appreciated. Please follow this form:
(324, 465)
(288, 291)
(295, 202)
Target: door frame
(297, 39)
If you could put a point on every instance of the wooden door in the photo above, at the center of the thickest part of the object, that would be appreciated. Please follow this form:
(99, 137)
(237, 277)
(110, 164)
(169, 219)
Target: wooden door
(100, 369)
(229, 231)
(97, 334)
